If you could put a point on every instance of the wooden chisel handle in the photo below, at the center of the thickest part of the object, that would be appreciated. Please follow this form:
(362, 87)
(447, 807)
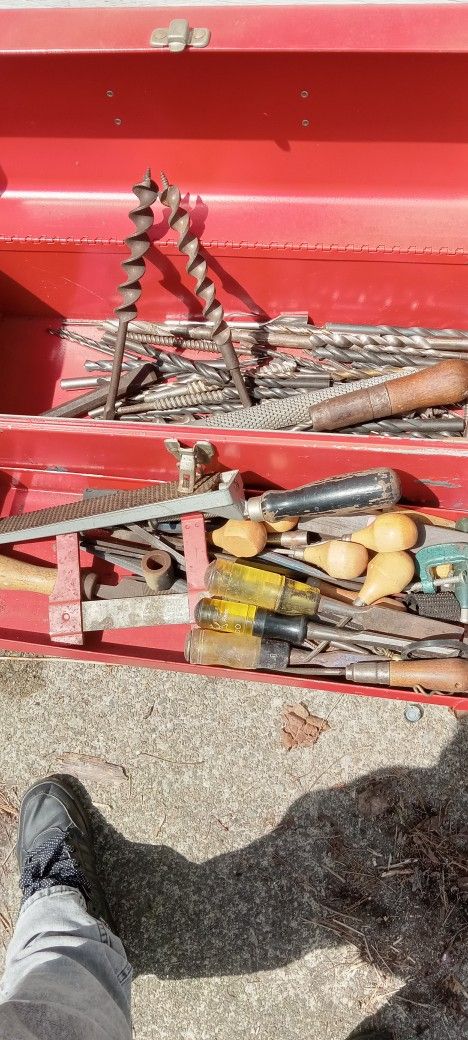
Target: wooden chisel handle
(26, 577)
(448, 676)
(441, 384)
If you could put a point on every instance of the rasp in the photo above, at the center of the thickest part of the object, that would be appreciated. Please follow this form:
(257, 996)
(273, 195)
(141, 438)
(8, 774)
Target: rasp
(221, 494)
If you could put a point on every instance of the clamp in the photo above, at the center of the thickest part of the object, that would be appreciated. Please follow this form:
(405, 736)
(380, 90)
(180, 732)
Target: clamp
(434, 556)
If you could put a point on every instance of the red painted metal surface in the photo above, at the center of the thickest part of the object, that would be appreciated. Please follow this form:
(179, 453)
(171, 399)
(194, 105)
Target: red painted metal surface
(65, 623)
(322, 27)
(196, 557)
(324, 152)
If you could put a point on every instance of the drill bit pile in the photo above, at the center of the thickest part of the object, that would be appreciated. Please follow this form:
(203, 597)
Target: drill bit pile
(191, 389)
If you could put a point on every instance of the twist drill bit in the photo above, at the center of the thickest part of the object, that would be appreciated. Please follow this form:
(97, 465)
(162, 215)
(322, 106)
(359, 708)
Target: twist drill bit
(196, 266)
(399, 330)
(410, 427)
(134, 267)
(172, 363)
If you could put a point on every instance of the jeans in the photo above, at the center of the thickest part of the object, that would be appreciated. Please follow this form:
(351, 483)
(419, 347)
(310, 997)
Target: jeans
(66, 975)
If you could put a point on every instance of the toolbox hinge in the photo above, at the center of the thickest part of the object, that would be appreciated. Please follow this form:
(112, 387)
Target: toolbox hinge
(178, 35)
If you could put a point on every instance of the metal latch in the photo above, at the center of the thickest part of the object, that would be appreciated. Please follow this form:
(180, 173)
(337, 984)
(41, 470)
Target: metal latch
(190, 462)
(179, 35)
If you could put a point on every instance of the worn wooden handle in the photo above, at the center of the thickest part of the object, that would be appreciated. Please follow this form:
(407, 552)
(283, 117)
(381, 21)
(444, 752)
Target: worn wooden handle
(241, 537)
(26, 577)
(339, 559)
(390, 532)
(448, 676)
(387, 575)
(444, 383)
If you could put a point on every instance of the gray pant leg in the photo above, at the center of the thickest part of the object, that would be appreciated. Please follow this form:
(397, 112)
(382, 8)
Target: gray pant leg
(66, 976)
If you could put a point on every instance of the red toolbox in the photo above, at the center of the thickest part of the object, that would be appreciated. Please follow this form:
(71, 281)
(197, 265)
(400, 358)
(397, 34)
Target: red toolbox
(324, 150)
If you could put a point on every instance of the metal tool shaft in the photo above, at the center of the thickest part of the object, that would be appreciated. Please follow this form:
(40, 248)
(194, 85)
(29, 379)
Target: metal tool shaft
(189, 244)
(134, 267)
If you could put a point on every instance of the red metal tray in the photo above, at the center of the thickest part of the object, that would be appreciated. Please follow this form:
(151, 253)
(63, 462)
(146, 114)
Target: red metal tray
(325, 157)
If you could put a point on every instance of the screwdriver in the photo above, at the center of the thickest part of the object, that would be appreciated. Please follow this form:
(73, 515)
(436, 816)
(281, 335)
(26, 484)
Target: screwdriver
(207, 647)
(246, 619)
(230, 580)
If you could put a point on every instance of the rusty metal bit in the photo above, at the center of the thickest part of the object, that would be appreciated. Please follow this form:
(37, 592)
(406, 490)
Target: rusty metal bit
(196, 266)
(134, 266)
(162, 337)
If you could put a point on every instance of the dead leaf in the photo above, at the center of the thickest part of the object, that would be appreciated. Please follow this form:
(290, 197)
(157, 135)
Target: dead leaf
(300, 727)
(7, 807)
(91, 767)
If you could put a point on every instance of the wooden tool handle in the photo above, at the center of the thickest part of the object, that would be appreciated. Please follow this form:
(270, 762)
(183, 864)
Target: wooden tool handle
(339, 559)
(444, 383)
(240, 537)
(26, 577)
(390, 532)
(387, 574)
(448, 676)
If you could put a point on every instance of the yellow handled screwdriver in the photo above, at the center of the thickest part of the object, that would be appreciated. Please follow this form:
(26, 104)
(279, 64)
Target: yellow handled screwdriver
(228, 579)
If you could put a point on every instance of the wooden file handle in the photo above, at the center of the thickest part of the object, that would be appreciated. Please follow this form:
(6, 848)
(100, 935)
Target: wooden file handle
(26, 577)
(444, 383)
(448, 676)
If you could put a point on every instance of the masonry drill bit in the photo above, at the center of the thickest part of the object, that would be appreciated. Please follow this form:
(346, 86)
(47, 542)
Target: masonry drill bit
(188, 399)
(161, 336)
(189, 244)
(134, 267)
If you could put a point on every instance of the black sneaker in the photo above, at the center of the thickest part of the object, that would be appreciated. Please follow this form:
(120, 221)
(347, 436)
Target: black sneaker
(55, 844)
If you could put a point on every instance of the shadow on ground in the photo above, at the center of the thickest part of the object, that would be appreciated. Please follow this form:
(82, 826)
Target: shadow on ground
(320, 879)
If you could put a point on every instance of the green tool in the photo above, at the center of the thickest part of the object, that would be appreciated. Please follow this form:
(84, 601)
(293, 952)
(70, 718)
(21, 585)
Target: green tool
(434, 556)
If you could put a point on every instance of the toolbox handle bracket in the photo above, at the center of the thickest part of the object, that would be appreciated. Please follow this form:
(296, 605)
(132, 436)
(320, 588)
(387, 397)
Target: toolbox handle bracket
(178, 35)
(65, 622)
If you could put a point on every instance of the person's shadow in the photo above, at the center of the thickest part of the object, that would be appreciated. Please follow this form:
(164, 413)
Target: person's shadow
(320, 879)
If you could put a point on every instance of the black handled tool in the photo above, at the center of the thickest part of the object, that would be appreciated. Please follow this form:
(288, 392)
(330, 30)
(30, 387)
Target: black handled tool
(349, 493)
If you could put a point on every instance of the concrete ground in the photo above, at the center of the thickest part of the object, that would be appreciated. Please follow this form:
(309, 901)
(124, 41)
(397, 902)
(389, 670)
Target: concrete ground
(252, 885)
